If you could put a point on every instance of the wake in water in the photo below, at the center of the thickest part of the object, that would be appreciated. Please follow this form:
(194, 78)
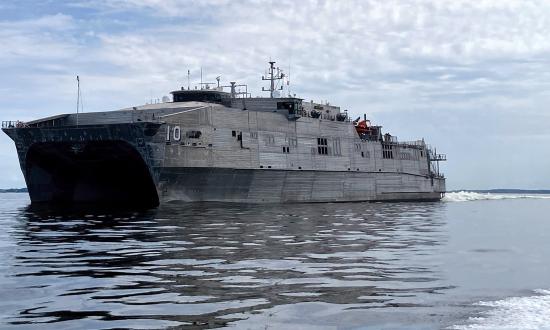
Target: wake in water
(531, 312)
(465, 196)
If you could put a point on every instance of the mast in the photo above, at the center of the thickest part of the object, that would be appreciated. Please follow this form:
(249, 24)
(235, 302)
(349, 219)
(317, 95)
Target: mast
(272, 78)
(77, 98)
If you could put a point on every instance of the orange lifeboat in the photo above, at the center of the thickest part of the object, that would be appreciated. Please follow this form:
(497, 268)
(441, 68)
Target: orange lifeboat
(363, 127)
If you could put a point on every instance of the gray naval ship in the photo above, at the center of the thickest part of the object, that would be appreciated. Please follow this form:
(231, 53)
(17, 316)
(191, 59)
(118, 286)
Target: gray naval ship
(220, 144)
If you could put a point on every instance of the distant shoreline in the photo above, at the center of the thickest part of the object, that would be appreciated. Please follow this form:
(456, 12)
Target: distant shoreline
(14, 190)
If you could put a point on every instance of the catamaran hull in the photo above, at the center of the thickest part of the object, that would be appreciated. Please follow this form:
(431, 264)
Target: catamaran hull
(283, 186)
(116, 164)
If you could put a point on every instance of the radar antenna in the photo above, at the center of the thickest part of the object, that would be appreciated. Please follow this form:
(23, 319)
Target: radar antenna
(272, 78)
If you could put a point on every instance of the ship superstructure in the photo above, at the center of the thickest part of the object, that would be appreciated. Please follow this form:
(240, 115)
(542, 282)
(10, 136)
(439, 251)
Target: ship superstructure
(220, 144)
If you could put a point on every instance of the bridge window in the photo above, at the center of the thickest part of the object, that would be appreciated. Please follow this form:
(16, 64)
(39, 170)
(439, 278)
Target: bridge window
(290, 106)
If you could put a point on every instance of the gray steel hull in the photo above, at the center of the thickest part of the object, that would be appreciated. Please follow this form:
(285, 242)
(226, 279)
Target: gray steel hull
(127, 164)
(282, 186)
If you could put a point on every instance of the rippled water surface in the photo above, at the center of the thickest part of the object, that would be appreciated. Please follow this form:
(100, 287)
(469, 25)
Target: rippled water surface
(303, 266)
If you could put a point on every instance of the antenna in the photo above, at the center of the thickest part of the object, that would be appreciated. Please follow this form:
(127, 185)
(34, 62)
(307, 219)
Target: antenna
(188, 79)
(201, 77)
(288, 75)
(77, 98)
(232, 88)
(272, 78)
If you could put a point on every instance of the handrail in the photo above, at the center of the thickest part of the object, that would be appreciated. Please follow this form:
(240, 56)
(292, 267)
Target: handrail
(13, 124)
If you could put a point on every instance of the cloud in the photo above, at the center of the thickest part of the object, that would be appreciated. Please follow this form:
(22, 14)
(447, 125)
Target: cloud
(346, 45)
(450, 67)
(39, 38)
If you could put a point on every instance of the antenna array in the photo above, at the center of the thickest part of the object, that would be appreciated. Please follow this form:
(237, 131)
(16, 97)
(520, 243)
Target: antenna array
(272, 78)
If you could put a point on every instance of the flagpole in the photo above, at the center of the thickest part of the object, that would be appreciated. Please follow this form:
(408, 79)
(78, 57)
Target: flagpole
(77, 98)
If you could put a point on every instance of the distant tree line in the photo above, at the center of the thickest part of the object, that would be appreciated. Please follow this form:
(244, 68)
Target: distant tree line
(14, 190)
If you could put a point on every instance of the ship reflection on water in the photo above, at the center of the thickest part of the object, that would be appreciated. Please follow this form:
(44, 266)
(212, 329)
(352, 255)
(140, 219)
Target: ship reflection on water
(210, 265)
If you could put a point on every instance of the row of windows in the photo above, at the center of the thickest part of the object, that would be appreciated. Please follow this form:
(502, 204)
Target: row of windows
(323, 149)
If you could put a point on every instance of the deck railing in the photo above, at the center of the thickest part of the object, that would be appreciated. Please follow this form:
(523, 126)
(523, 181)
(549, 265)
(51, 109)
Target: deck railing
(13, 124)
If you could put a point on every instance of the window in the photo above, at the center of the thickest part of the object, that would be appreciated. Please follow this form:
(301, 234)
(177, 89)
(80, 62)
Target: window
(269, 139)
(233, 133)
(322, 146)
(253, 135)
(387, 151)
(293, 142)
(290, 106)
(286, 150)
(200, 96)
(194, 134)
(336, 149)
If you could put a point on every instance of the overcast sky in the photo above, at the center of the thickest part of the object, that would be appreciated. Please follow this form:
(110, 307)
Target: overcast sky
(471, 77)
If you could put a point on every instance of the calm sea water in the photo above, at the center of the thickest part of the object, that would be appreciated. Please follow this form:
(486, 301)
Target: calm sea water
(472, 261)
